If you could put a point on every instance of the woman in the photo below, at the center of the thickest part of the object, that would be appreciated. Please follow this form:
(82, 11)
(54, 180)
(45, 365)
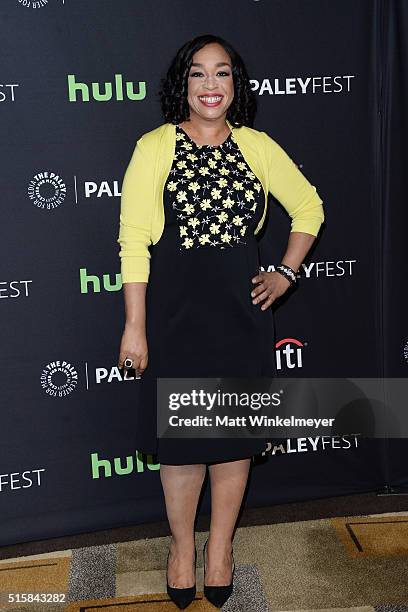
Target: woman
(193, 200)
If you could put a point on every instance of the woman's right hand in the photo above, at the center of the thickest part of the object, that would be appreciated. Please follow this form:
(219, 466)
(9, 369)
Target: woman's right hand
(134, 345)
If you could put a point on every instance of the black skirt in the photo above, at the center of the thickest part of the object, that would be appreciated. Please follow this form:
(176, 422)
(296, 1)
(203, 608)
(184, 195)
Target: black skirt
(200, 320)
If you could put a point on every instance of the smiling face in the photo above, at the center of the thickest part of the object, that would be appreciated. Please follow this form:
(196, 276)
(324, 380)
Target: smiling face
(210, 83)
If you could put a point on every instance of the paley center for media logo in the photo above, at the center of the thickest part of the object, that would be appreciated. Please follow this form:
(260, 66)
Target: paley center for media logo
(34, 4)
(59, 378)
(47, 190)
(405, 351)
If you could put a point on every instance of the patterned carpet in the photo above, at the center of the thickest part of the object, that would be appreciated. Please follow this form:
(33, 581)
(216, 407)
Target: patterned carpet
(353, 564)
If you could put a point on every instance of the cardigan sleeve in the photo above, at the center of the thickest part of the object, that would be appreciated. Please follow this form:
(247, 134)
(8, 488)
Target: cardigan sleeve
(292, 189)
(136, 216)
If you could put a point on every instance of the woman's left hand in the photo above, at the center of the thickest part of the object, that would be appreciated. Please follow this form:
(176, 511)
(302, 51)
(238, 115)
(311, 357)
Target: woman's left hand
(271, 286)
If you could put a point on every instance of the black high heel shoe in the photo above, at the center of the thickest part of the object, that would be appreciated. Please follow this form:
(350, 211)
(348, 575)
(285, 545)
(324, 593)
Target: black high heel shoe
(181, 597)
(218, 594)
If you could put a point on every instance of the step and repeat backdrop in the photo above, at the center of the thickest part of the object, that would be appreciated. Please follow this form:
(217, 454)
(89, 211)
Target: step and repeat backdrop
(79, 85)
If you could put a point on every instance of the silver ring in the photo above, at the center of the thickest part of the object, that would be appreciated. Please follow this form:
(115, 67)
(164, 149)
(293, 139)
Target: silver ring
(128, 362)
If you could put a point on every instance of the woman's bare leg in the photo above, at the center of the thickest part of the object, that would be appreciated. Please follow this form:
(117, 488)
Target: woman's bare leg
(228, 481)
(181, 486)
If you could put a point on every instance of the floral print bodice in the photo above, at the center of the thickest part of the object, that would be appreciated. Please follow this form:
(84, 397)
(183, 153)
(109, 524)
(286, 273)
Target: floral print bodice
(213, 193)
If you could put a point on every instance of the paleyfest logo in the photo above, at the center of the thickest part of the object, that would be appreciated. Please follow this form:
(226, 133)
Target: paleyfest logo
(47, 190)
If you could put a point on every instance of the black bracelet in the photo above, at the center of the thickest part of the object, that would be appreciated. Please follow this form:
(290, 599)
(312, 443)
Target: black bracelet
(287, 272)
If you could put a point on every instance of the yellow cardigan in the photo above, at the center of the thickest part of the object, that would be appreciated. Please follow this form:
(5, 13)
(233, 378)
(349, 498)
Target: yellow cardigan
(142, 212)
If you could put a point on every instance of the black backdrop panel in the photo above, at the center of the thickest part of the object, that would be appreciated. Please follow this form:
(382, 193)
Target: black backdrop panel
(394, 219)
(331, 85)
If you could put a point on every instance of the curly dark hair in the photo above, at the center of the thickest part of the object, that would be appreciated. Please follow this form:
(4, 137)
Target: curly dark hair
(174, 87)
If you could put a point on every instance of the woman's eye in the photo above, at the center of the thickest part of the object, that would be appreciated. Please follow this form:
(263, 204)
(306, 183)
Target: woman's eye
(200, 74)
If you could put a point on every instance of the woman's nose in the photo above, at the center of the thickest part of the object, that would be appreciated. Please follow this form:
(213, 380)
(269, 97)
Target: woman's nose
(210, 81)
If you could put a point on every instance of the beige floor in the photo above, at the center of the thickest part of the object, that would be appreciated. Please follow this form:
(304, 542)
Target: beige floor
(329, 565)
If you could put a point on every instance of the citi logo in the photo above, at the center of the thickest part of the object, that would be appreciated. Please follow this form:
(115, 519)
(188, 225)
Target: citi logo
(289, 353)
(106, 91)
(94, 282)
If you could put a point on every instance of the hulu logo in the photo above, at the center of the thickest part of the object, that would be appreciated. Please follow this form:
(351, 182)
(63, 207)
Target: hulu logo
(105, 468)
(95, 282)
(110, 90)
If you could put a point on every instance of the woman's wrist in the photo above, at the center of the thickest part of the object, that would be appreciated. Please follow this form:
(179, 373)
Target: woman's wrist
(288, 272)
(135, 325)
(291, 264)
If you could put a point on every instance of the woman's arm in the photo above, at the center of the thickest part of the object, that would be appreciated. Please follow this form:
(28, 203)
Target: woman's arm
(134, 344)
(134, 239)
(299, 245)
(304, 205)
(135, 219)
(293, 190)
(135, 306)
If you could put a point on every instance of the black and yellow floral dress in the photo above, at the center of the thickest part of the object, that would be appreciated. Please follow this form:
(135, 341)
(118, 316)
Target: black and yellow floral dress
(200, 320)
